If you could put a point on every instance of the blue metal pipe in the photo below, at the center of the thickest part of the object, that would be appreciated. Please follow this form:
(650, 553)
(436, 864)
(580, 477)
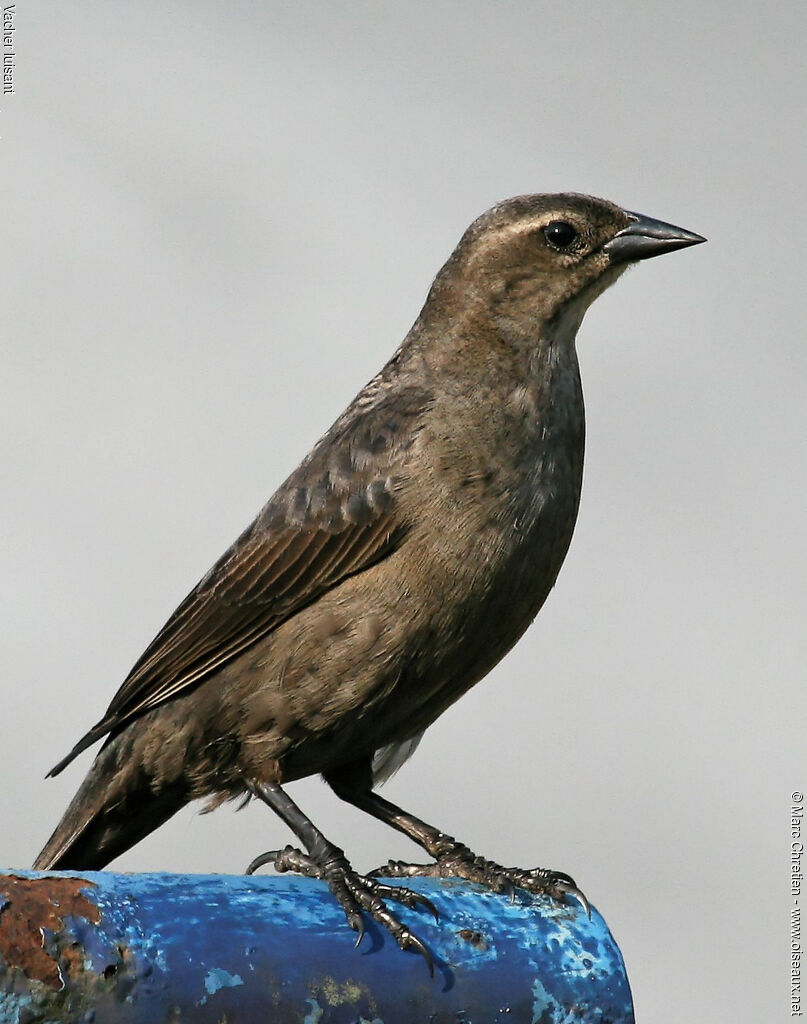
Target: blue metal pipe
(97, 947)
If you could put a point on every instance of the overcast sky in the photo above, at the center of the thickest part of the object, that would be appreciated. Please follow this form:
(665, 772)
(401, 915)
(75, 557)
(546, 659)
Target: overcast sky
(218, 221)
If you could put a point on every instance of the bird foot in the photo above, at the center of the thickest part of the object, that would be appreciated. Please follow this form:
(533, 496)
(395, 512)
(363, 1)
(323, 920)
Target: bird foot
(355, 893)
(455, 860)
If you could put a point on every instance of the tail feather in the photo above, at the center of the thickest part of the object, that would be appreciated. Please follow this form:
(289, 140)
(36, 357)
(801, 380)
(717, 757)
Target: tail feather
(87, 740)
(109, 814)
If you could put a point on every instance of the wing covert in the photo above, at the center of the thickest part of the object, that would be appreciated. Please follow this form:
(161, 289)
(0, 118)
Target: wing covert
(335, 516)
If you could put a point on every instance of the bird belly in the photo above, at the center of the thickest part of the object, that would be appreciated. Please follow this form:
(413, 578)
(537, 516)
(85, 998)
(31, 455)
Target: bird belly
(377, 659)
(380, 658)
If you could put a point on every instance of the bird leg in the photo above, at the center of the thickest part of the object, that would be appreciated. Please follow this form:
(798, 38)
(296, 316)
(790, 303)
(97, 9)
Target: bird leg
(354, 892)
(452, 859)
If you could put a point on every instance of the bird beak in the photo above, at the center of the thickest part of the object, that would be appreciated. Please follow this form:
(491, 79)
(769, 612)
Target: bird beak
(645, 237)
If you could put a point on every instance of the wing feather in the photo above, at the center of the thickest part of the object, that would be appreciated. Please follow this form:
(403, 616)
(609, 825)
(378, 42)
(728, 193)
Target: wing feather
(334, 517)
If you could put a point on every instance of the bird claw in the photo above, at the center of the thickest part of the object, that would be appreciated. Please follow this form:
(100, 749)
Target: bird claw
(410, 941)
(423, 901)
(458, 861)
(558, 884)
(400, 869)
(287, 859)
(570, 889)
(356, 894)
(409, 897)
(413, 900)
(269, 857)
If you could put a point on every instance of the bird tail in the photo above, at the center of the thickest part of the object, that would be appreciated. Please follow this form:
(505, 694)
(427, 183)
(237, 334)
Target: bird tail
(111, 812)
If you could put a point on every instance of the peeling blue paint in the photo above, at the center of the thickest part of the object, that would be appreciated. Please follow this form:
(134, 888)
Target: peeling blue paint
(315, 1016)
(544, 1007)
(12, 1007)
(283, 953)
(218, 978)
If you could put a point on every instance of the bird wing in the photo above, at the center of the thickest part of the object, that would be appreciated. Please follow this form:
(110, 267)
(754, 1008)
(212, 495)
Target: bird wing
(334, 517)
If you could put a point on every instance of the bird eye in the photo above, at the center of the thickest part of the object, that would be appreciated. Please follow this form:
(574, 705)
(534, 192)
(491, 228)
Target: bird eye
(559, 234)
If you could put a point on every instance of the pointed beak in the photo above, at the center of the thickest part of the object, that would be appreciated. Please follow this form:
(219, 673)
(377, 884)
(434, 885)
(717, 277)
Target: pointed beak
(645, 237)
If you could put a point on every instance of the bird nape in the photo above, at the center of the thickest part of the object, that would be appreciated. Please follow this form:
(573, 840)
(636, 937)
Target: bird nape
(398, 563)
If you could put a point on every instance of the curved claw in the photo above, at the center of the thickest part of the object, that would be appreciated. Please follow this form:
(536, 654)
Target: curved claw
(411, 941)
(409, 897)
(263, 858)
(424, 901)
(576, 894)
(356, 894)
(561, 876)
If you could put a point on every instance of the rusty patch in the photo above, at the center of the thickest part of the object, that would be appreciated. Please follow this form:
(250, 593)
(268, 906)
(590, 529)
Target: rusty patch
(351, 993)
(29, 905)
(476, 939)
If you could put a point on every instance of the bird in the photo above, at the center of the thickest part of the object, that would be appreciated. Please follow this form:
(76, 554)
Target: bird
(400, 561)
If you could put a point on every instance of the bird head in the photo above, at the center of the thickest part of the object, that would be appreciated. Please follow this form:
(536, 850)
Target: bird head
(545, 258)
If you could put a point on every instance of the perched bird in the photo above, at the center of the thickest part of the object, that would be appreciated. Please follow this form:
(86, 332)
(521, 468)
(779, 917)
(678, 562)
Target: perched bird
(394, 568)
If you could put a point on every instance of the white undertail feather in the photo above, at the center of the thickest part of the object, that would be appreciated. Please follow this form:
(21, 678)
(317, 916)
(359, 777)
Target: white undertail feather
(387, 760)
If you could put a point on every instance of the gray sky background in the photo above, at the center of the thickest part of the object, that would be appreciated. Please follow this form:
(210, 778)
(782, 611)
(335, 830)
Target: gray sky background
(218, 221)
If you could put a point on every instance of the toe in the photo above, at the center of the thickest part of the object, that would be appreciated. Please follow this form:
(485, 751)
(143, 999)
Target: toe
(264, 858)
(423, 901)
(563, 888)
(409, 898)
(407, 940)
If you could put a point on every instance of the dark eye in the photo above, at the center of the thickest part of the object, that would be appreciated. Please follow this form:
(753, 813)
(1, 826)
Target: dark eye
(559, 234)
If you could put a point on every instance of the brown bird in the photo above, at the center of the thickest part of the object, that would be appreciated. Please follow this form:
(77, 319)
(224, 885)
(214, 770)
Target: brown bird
(393, 569)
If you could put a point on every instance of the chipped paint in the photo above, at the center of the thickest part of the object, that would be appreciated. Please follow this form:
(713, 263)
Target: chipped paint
(32, 915)
(315, 1016)
(476, 939)
(217, 978)
(348, 992)
(14, 1008)
(134, 949)
(544, 1007)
